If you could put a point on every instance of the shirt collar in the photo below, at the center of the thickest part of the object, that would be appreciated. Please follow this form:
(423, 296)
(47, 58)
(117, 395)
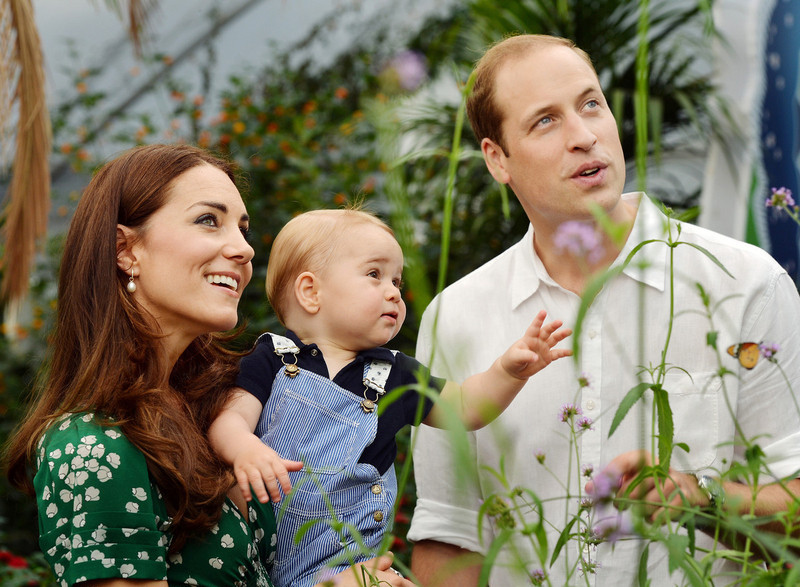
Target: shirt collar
(377, 353)
(648, 266)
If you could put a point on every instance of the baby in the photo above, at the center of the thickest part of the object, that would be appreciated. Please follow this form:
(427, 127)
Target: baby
(334, 279)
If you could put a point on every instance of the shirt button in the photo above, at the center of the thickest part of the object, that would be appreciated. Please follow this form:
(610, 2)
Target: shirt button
(592, 333)
(378, 516)
(313, 352)
(590, 405)
(377, 489)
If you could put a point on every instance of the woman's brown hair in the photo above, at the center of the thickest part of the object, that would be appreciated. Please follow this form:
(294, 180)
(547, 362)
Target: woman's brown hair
(104, 356)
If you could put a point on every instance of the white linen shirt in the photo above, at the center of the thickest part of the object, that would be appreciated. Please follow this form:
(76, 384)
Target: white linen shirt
(476, 319)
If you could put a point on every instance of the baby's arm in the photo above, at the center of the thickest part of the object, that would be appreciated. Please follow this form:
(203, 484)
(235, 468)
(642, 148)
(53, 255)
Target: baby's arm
(254, 463)
(483, 396)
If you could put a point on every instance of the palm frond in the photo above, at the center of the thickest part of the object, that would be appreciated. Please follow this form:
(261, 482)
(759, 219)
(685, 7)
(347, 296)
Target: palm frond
(25, 215)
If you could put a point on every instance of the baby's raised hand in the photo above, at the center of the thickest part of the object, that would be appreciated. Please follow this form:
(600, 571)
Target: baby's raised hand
(534, 351)
(259, 466)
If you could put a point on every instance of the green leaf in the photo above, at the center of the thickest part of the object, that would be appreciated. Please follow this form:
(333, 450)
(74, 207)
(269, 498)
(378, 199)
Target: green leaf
(491, 555)
(630, 399)
(643, 580)
(708, 254)
(666, 429)
(563, 538)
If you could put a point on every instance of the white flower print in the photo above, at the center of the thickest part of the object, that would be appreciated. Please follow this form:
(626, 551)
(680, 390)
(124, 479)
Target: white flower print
(51, 510)
(77, 541)
(215, 562)
(127, 570)
(99, 535)
(98, 450)
(61, 522)
(81, 477)
(271, 557)
(59, 569)
(109, 562)
(274, 540)
(69, 449)
(163, 541)
(144, 555)
(113, 459)
(87, 417)
(191, 581)
(104, 474)
(259, 533)
(65, 495)
(56, 454)
(81, 559)
(46, 493)
(64, 425)
(242, 570)
(63, 471)
(52, 551)
(113, 434)
(84, 450)
(77, 503)
(89, 439)
(128, 532)
(97, 555)
(227, 541)
(92, 494)
(132, 507)
(79, 521)
(215, 529)
(92, 465)
(139, 493)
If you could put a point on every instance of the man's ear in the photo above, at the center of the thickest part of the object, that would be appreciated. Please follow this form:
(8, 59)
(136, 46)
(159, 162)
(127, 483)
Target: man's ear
(126, 258)
(495, 160)
(306, 291)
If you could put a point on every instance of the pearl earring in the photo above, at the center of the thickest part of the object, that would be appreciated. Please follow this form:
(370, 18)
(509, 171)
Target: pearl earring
(131, 287)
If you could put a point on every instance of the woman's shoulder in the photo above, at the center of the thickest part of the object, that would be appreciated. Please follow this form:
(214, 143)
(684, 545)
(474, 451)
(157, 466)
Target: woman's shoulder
(72, 433)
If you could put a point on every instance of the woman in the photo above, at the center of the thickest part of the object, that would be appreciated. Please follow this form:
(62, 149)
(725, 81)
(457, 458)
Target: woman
(128, 490)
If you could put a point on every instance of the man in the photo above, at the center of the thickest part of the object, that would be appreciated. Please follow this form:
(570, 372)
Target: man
(547, 131)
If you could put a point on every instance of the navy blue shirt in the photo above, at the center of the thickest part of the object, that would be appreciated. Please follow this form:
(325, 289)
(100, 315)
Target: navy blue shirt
(258, 369)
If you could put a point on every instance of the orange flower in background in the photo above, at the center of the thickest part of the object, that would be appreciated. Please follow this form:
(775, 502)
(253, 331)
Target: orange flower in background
(198, 100)
(83, 154)
(309, 123)
(339, 199)
(81, 87)
(37, 323)
(66, 148)
(369, 185)
(239, 127)
(176, 95)
(167, 60)
(271, 164)
(309, 107)
(341, 93)
(280, 110)
(272, 128)
(358, 115)
(135, 71)
(285, 147)
(204, 139)
(197, 114)
(266, 238)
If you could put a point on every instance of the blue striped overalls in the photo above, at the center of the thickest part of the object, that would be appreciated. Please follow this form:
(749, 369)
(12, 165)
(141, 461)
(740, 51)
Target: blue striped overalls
(311, 419)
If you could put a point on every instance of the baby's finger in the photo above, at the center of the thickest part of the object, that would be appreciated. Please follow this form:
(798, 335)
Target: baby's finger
(257, 483)
(243, 483)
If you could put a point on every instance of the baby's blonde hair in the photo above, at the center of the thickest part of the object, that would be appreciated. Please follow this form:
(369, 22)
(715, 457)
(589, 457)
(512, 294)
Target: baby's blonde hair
(307, 243)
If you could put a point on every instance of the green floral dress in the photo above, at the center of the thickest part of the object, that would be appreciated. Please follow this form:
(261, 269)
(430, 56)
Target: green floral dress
(101, 517)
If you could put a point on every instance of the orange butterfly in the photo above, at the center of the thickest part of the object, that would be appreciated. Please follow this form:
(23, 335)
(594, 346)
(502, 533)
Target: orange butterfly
(747, 353)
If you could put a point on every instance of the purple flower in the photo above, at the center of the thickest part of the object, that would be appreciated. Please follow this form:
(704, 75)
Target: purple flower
(584, 423)
(604, 484)
(611, 525)
(768, 350)
(580, 239)
(781, 198)
(588, 470)
(584, 380)
(539, 454)
(538, 577)
(406, 70)
(569, 411)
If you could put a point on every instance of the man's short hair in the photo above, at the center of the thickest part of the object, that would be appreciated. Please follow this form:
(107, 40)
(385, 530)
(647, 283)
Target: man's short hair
(483, 111)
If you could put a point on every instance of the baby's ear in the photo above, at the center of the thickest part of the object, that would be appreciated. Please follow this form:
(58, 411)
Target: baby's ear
(306, 292)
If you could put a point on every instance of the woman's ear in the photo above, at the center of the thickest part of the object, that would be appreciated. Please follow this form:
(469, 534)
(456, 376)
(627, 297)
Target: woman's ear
(126, 259)
(306, 292)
